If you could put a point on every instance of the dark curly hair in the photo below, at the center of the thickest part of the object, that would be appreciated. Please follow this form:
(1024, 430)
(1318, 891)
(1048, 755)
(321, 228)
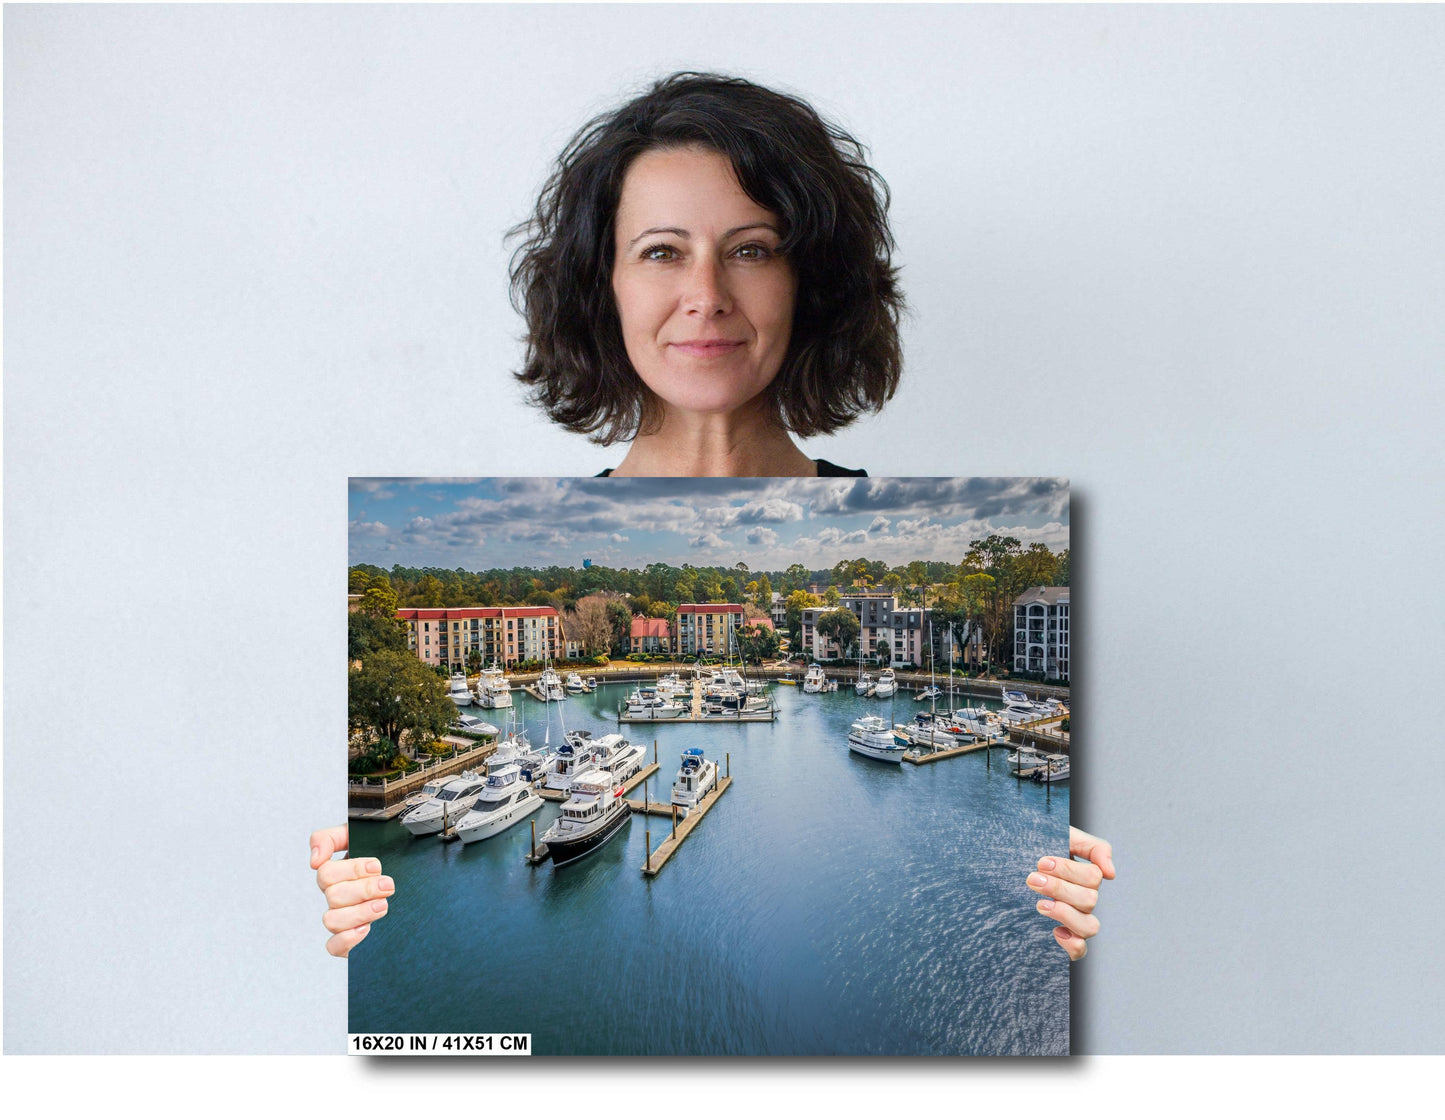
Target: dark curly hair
(844, 355)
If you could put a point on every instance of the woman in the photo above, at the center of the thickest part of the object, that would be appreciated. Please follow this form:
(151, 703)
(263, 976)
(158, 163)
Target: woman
(707, 274)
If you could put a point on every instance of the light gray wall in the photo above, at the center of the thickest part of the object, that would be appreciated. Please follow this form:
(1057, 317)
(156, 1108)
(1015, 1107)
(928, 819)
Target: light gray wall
(1190, 258)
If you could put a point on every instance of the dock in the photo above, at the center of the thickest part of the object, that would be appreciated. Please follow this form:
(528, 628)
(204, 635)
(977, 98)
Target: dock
(657, 859)
(921, 757)
(632, 783)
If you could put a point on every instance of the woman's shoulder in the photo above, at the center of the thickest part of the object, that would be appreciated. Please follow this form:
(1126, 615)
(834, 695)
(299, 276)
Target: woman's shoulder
(833, 470)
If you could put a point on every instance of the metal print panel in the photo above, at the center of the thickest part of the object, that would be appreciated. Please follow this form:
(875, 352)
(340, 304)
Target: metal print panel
(712, 766)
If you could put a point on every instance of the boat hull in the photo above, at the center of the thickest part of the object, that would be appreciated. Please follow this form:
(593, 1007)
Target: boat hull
(563, 852)
(881, 754)
(515, 814)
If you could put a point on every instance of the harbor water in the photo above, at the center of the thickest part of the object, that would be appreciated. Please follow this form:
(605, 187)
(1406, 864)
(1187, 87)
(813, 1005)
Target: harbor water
(828, 904)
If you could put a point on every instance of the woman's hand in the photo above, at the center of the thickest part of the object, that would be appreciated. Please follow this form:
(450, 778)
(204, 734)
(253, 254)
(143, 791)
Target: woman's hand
(356, 890)
(1071, 889)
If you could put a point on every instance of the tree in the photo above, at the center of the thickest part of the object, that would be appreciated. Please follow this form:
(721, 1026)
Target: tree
(831, 596)
(379, 601)
(841, 626)
(795, 578)
(757, 643)
(591, 624)
(621, 618)
(796, 603)
(764, 595)
(474, 661)
(430, 591)
(368, 633)
(395, 694)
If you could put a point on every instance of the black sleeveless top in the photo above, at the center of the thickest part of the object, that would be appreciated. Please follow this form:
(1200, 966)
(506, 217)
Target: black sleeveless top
(825, 470)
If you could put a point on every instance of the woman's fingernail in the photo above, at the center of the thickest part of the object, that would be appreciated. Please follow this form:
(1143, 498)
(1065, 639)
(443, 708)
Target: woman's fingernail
(379, 906)
(1046, 904)
(315, 854)
(1046, 864)
(386, 885)
(1037, 880)
(373, 867)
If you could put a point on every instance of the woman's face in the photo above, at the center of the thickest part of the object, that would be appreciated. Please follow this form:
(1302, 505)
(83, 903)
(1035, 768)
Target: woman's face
(706, 302)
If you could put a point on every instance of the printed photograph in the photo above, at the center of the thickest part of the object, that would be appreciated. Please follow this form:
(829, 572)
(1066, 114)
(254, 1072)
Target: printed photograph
(711, 766)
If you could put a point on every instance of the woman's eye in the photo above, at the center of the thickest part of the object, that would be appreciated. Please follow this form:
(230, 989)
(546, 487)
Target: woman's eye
(753, 251)
(659, 253)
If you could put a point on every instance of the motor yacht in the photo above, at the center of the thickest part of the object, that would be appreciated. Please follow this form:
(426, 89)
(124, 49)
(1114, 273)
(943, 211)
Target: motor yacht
(459, 693)
(886, 685)
(593, 815)
(646, 703)
(504, 801)
(927, 730)
(1054, 769)
(573, 757)
(978, 722)
(614, 753)
(871, 736)
(429, 790)
(932, 692)
(864, 684)
(550, 685)
(471, 725)
(813, 679)
(574, 682)
(447, 807)
(1025, 759)
(695, 777)
(493, 689)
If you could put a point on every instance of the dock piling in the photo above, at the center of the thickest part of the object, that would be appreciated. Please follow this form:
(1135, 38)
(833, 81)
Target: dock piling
(534, 841)
(647, 846)
(674, 820)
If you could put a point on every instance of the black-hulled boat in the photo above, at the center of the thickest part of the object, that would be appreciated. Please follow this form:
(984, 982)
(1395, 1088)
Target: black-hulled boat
(593, 815)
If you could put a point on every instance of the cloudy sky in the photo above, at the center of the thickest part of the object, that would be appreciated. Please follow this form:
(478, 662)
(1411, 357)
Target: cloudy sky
(769, 523)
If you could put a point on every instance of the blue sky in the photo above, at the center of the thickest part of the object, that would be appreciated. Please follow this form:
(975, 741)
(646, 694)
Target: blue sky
(631, 522)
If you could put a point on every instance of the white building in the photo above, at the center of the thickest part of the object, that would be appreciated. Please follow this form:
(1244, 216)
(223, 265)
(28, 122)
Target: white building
(1041, 632)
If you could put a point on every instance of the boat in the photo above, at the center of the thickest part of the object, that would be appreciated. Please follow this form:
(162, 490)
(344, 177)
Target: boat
(593, 815)
(1025, 759)
(615, 754)
(813, 680)
(505, 800)
(450, 802)
(574, 682)
(864, 685)
(695, 777)
(671, 686)
(886, 686)
(932, 692)
(927, 730)
(592, 682)
(978, 722)
(646, 703)
(573, 757)
(1054, 769)
(469, 724)
(459, 694)
(493, 689)
(429, 790)
(871, 736)
(549, 684)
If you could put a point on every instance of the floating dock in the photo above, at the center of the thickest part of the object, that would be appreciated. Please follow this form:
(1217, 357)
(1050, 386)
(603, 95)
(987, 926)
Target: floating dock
(656, 859)
(631, 784)
(697, 713)
(921, 757)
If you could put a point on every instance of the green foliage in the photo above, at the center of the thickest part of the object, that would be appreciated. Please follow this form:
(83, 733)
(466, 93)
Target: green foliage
(841, 626)
(394, 694)
(368, 633)
(757, 643)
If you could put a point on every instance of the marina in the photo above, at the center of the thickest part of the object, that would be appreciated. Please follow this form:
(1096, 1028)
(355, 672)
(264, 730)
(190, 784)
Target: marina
(911, 922)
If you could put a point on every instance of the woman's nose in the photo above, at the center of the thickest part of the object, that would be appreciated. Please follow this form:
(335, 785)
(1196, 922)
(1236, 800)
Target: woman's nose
(707, 291)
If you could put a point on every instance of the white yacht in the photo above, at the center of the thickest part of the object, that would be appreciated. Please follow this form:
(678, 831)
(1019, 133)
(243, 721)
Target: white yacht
(864, 684)
(430, 789)
(813, 680)
(646, 703)
(493, 689)
(932, 692)
(1055, 768)
(671, 686)
(871, 736)
(592, 683)
(927, 730)
(695, 777)
(978, 722)
(1025, 758)
(471, 725)
(614, 753)
(593, 815)
(574, 682)
(886, 685)
(460, 694)
(447, 807)
(573, 757)
(504, 801)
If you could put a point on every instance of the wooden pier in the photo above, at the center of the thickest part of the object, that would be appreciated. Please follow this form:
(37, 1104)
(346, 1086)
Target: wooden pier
(697, 714)
(657, 859)
(921, 758)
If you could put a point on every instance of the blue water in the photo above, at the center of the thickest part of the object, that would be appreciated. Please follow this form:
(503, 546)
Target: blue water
(828, 904)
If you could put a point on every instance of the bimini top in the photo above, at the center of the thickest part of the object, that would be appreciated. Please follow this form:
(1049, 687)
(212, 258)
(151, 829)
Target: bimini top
(695, 752)
(594, 782)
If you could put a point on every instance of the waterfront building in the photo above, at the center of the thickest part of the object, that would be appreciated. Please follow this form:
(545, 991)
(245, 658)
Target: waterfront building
(1041, 632)
(707, 628)
(445, 635)
(779, 609)
(650, 635)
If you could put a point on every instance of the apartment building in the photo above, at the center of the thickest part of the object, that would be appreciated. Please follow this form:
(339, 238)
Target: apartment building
(445, 635)
(707, 628)
(1041, 632)
(650, 635)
